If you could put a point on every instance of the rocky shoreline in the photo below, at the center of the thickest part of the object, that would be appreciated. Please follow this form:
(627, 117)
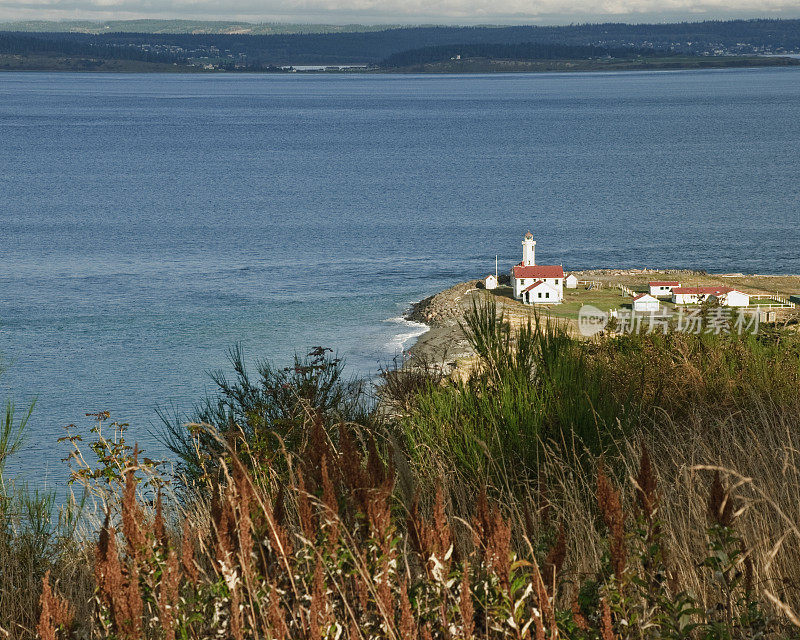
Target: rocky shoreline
(444, 343)
(443, 306)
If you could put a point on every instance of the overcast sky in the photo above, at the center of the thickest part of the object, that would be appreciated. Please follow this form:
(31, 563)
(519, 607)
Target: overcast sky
(401, 11)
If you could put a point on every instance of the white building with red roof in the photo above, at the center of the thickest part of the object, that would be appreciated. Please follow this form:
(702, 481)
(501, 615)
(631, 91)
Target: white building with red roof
(663, 289)
(541, 292)
(536, 284)
(726, 296)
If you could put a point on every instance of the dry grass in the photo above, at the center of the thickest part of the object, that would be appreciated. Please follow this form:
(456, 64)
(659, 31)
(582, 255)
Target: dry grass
(687, 526)
(331, 549)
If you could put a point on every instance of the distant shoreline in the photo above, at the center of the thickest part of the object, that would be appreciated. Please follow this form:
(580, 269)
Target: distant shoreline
(49, 64)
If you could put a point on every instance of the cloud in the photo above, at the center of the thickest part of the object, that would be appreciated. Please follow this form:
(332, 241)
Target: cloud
(398, 11)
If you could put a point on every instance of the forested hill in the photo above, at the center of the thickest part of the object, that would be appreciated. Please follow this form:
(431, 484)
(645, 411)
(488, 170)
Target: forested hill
(706, 38)
(519, 51)
(259, 51)
(730, 32)
(33, 44)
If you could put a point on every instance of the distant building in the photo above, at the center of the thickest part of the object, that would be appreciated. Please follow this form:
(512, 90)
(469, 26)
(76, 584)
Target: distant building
(645, 303)
(527, 277)
(490, 282)
(662, 289)
(571, 281)
(726, 296)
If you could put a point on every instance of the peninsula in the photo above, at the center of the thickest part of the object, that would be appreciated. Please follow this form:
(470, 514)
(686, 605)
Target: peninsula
(618, 295)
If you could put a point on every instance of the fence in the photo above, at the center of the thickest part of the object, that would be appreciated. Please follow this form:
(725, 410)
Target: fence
(782, 302)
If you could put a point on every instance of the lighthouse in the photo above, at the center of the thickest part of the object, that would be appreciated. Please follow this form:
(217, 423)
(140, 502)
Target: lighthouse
(528, 250)
(536, 284)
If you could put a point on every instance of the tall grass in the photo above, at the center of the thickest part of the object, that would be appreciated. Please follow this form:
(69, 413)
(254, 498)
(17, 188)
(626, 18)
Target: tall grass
(539, 384)
(332, 551)
(531, 386)
(36, 540)
(635, 487)
(268, 409)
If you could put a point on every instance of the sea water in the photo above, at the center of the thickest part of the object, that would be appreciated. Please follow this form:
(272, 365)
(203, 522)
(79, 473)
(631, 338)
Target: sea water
(148, 223)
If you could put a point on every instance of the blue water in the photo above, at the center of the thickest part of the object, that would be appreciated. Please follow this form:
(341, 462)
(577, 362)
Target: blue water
(148, 222)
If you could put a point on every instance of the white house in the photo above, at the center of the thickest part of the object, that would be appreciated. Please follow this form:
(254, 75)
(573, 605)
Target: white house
(527, 276)
(645, 303)
(571, 281)
(540, 292)
(490, 282)
(726, 296)
(662, 289)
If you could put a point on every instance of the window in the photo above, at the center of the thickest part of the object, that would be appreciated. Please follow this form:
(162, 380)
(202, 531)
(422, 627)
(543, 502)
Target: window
(540, 294)
(556, 281)
(547, 295)
(522, 282)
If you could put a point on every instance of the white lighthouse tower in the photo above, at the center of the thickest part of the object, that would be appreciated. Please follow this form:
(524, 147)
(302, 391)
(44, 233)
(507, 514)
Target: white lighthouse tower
(528, 250)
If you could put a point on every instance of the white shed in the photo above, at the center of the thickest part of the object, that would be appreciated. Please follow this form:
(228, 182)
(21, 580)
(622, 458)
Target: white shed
(733, 298)
(646, 303)
(571, 282)
(490, 282)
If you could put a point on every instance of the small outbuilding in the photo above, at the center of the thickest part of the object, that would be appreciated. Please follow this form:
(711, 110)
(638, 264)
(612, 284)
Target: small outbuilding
(571, 281)
(733, 298)
(490, 282)
(645, 303)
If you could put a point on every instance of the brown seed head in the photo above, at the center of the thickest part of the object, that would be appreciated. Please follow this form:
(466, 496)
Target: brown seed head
(608, 500)
(555, 558)
(720, 504)
(187, 553)
(132, 516)
(307, 523)
(168, 595)
(577, 615)
(465, 604)
(607, 626)
(276, 616)
(408, 625)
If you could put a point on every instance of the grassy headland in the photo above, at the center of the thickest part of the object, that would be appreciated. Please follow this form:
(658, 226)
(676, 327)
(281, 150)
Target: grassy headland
(445, 342)
(639, 486)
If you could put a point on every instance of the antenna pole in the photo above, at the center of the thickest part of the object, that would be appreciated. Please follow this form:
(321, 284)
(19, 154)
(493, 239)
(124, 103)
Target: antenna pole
(495, 265)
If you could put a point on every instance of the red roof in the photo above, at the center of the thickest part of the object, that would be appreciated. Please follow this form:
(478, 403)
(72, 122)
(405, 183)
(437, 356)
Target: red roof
(642, 295)
(702, 290)
(536, 284)
(665, 284)
(538, 271)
